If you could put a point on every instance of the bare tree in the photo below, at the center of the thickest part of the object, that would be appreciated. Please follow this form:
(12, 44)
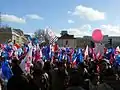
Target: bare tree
(42, 36)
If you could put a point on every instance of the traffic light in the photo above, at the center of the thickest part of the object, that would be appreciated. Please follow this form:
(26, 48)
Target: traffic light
(92, 44)
(110, 41)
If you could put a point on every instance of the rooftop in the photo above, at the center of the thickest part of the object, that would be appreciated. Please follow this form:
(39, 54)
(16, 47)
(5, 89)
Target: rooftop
(67, 36)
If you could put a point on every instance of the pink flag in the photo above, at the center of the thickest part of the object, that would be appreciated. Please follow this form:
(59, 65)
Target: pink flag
(71, 54)
(25, 63)
(37, 55)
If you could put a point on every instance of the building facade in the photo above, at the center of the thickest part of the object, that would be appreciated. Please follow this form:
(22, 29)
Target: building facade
(85, 40)
(15, 35)
(82, 42)
(115, 41)
(5, 34)
(105, 41)
(67, 40)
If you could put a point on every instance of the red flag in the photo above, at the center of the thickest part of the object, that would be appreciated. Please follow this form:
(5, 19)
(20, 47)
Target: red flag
(56, 47)
(74, 62)
(37, 55)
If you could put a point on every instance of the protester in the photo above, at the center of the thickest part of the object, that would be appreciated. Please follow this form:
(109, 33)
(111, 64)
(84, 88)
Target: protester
(76, 81)
(31, 67)
(58, 77)
(18, 81)
(40, 77)
(47, 69)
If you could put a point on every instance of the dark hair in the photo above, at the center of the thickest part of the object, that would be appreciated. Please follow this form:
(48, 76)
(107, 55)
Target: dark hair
(15, 61)
(47, 66)
(75, 78)
(17, 70)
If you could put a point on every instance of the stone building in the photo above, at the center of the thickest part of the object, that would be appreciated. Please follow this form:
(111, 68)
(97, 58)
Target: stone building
(27, 36)
(82, 42)
(115, 40)
(85, 40)
(18, 36)
(5, 34)
(105, 41)
(67, 40)
(15, 35)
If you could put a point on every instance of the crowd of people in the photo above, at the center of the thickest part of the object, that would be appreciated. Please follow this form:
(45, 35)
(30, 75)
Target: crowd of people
(56, 73)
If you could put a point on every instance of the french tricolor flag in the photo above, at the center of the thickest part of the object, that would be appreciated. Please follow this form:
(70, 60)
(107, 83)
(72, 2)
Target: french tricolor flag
(74, 62)
(86, 53)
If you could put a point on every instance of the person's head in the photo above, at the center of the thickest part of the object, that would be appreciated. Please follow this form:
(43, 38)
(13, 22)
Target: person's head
(15, 67)
(81, 65)
(69, 65)
(38, 67)
(60, 65)
(47, 66)
(15, 62)
(75, 78)
(103, 65)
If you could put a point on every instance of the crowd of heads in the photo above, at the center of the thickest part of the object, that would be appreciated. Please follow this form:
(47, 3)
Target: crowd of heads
(54, 73)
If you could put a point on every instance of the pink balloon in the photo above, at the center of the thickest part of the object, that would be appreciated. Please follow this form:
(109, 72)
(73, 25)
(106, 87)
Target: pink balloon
(97, 35)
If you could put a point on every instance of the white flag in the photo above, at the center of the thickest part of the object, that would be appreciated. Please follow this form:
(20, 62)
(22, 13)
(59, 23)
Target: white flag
(28, 58)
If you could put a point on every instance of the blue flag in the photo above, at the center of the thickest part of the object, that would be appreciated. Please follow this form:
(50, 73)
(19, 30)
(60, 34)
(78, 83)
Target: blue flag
(74, 56)
(6, 70)
(110, 52)
(47, 51)
(79, 55)
(60, 55)
(117, 59)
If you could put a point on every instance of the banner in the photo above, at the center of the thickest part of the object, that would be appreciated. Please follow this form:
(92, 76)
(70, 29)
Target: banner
(51, 36)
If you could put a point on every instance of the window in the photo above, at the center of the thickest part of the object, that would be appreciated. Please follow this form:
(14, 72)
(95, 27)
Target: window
(66, 42)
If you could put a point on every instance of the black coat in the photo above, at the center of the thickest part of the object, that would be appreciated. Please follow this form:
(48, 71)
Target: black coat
(18, 82)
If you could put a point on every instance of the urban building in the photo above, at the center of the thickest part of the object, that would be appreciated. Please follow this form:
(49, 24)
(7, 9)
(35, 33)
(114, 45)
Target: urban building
(115, 40)
(63, 33)
(82, 42)
(86, 40)
(67, 40)
(27, 36)
(15, 35)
